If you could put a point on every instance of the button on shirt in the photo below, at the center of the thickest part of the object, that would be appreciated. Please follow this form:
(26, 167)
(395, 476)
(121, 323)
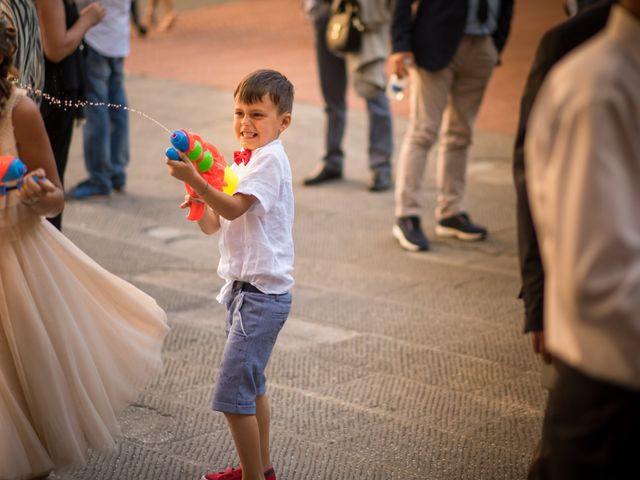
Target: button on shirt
(583, 171)
(257, 247)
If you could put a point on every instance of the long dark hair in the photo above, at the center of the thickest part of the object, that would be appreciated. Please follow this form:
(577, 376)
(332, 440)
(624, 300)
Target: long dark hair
(8, 51)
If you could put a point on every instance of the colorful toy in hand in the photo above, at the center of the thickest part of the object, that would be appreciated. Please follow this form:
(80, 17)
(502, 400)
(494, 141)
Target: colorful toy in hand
(12, 171)
(209, 163)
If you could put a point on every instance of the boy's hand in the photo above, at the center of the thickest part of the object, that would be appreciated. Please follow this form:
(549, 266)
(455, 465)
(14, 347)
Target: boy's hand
(188, 199)
(182, 169)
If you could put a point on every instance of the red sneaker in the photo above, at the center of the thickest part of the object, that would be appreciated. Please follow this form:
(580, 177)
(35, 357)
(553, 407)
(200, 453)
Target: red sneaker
(236, 474)
(228, 474)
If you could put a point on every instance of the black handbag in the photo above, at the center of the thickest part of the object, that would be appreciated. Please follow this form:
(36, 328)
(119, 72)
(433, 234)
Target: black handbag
(344, 30)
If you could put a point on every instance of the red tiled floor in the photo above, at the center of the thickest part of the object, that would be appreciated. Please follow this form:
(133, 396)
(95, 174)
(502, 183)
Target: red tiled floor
(216, 45)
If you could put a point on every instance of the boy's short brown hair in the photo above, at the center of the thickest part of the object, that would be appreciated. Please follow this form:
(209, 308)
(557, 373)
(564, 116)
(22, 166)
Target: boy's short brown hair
(254, 86)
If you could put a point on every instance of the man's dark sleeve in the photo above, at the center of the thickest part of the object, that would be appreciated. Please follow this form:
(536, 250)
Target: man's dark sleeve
(555, 44)
(401, 26)
(504, 24)
(531, 270)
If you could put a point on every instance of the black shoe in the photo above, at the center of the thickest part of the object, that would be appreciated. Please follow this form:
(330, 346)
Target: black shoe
(380, 181)
(408, 232)
(323, 174)
(461, 227)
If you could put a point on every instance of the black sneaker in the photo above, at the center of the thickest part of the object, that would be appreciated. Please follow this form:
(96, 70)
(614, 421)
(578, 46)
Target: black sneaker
(461, 227)
(408, 232)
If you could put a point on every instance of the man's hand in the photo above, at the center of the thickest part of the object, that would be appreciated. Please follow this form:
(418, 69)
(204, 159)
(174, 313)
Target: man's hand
(400, 62)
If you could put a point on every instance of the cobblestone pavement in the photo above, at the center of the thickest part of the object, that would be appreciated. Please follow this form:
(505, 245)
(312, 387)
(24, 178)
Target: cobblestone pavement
(393, 365)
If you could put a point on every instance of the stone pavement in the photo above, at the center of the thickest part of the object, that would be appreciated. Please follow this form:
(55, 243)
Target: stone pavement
(393, 365)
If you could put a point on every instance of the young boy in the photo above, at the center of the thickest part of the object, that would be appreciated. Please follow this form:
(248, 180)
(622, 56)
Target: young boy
(256, 260)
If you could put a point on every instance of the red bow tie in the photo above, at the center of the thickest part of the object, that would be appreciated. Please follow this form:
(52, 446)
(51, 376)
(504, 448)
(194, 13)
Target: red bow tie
(242, 156)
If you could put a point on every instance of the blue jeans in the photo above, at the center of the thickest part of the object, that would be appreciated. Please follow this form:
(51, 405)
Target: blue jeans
(106, 132)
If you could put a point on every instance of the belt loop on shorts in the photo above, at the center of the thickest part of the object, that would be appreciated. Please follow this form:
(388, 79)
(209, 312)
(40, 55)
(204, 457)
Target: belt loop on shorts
(245, 287)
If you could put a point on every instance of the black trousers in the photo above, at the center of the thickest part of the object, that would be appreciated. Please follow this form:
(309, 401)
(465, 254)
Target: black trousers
(59, 125)
(590, 431)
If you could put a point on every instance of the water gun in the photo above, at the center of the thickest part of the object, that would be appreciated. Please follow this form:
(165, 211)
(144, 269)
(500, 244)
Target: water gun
(208, 162)
(12, 172)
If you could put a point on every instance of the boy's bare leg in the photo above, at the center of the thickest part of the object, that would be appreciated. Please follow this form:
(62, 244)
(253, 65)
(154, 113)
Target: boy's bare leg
(263, 415)
(246, 437)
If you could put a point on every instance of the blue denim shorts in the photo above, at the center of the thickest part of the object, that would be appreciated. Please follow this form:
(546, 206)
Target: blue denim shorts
(252, 324)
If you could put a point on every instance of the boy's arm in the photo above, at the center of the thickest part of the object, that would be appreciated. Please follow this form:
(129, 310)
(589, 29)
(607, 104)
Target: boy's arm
(228, 207)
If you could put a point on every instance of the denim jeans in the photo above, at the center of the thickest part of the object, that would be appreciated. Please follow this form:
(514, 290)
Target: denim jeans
(106, 132)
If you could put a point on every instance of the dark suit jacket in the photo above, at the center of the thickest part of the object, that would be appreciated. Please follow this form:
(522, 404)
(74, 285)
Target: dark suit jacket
(555, 44)
(434, 33)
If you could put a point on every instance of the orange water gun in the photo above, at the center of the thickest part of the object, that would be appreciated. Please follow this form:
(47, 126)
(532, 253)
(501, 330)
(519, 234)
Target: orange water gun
(208, 162)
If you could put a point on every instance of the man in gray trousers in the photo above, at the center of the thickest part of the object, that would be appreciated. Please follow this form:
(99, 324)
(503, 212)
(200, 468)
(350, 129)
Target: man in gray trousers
(366, 71)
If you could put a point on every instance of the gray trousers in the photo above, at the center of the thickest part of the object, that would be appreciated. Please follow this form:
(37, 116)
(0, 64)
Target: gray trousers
(450, 98)
(333, 82)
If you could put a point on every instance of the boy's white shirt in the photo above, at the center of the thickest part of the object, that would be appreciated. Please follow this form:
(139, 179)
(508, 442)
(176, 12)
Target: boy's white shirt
(257, 247)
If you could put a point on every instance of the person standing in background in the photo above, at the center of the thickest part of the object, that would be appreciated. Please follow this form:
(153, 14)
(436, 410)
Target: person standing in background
(106, 131)
(582, 166)
(63, 29)
(449, 49)
(366, 71)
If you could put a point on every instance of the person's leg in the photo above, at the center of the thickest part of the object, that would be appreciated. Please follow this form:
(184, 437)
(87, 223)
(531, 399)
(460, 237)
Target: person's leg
(473, 65)
(168, 6)
(427, 99)
(380, 141)
(135, 18)
(96, 139)
(263, 415)
(589, 430)
(253, 322)
(149, 17)
(119, 120)
(169, 17)
(333, 84)
(246, 438)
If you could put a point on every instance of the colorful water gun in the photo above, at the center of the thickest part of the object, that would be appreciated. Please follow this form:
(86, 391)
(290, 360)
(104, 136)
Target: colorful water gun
(12, 171)
(209, 163)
